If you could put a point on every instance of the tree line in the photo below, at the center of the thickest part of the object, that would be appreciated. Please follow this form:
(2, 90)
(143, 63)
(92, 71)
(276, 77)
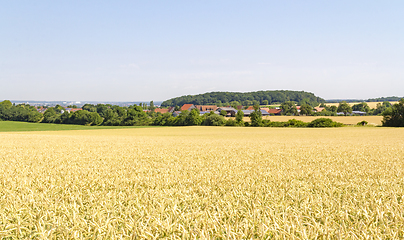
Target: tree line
(113, 115)
(21, 112)
(191, 118)
(245, 99)
(100, 114)
(290, 108)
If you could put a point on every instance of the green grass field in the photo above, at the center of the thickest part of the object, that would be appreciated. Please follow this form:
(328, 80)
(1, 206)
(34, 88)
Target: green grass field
(10, 126)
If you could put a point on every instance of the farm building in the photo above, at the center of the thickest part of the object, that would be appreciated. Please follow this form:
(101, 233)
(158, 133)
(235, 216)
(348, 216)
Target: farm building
(359, 113)
(318, 109)
(206, 108)
(275, 111)
(231, 112)
(248, 112)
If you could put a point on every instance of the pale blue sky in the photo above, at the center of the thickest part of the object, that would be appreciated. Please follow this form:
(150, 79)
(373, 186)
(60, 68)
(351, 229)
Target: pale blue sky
(155, 50)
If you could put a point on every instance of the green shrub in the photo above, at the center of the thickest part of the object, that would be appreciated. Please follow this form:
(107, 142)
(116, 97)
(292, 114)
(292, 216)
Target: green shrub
(214, 120)
(266, 122)
(324, 122)
(231, 122)
(363, 123)
(295, 123)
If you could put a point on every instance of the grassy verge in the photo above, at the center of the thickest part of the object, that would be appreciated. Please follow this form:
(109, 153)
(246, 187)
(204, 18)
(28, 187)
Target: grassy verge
(10, 126)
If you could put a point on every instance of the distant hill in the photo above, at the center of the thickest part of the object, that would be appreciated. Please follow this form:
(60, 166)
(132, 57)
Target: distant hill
(382, 99)
(246, 98)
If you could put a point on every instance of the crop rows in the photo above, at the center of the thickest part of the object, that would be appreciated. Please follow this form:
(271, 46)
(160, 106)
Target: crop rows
(203, 182)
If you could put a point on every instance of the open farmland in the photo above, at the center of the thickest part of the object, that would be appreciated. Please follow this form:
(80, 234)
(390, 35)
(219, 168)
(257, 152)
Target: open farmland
(349, 120)
(370, 104)
(203, 182)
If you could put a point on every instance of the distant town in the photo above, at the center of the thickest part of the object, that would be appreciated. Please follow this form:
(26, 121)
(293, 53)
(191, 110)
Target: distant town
(77, 103)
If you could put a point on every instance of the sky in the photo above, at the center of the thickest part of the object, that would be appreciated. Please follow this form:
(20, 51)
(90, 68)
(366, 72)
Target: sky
(156, 50)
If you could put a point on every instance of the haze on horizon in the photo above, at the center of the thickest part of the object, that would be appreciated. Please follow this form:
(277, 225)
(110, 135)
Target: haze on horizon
(144, 50)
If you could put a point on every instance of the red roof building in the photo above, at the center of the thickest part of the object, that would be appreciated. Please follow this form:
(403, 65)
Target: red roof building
(318, 109)
(171, 109)
(188, 107)
(72, 110)
(275, 111)
(161, 110)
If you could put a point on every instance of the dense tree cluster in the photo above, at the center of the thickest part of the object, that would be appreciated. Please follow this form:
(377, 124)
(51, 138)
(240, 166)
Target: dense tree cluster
(289, 108)
(344, 107)
(246, 99)
(394, 116)
(21, 112)
(100, 114)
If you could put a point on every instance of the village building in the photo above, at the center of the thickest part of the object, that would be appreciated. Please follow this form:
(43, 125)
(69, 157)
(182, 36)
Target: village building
(72, 110)
(318, 109)
(176, 113)
(274, 111)
(360, 113)
(187, 107)
(266, 109)
(41, 109)
(161, 110)
(248, 112)
(231, 112)
(206, 108)
(171, 109)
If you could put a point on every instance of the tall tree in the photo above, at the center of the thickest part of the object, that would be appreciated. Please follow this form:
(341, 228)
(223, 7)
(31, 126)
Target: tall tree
(193, 118)
(239, 117)
(6, 103)
(344, 107)
(49, 116)
(394, 116)
(256, 117)
(151, 106)
(306, 109)
(363, 107)
(289, 108)
(89, 107)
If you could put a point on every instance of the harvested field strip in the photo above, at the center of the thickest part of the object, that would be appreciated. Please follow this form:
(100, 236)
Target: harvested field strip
(349, 120)
(370, 104)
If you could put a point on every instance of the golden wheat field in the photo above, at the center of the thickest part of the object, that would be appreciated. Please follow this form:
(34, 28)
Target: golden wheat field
(203, 182)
